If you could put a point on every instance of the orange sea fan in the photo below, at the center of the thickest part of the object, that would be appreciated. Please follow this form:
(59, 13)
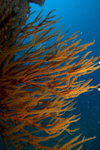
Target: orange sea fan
(37, 88)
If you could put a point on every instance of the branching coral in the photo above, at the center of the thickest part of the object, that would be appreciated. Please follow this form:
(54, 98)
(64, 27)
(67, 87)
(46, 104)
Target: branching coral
(37, 88)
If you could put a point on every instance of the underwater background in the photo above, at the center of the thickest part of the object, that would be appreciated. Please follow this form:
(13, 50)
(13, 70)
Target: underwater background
(83, 16)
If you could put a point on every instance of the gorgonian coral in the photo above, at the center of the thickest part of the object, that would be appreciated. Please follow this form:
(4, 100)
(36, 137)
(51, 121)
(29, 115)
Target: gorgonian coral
(37, 88)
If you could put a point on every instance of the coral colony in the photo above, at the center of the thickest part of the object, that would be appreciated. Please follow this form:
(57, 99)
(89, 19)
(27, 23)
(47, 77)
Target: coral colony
(40, 86)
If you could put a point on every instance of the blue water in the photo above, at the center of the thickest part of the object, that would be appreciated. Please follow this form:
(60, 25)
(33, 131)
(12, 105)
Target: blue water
(83, 15)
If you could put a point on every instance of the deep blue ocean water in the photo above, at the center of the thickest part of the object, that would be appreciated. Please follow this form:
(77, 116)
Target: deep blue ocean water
(83, 15)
